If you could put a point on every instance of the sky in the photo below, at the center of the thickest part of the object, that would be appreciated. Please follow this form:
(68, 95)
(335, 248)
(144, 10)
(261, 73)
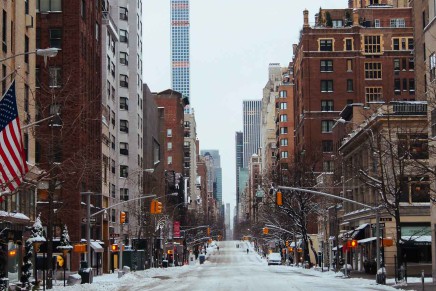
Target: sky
(232, 44)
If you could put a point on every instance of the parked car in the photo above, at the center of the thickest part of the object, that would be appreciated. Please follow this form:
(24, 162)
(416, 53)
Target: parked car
(274, 259)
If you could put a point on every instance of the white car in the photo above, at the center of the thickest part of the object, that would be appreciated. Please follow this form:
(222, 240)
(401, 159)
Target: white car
(274, 259)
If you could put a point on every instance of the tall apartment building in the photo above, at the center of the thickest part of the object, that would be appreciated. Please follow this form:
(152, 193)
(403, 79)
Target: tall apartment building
(180, 47)
(285, 122)
(127, 112)
(425, 58)
(251, 114)
(357, 56)
(110, 126)
(239, 156)
(268, 126)
(190, 158)
(69, 145)
(18, 36)
(217, 176)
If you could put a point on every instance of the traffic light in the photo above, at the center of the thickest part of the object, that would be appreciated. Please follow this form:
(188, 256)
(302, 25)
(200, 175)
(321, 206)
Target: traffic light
(122, 217)
(352, 243)
(114, 248)
(153, 206)
(287, 243)
(208, 231)
(279, 198)
(158, 207)
(265, 230)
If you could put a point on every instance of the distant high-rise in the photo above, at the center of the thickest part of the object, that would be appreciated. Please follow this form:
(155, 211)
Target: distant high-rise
(239, 147)
(252, 110)
(217, 175)
(180, 61)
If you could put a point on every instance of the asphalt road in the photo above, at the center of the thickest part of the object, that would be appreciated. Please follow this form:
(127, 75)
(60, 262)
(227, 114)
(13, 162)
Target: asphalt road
(233, 269)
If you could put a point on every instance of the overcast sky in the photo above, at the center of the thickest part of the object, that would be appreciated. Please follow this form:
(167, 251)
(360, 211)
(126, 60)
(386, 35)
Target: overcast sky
(232, 44)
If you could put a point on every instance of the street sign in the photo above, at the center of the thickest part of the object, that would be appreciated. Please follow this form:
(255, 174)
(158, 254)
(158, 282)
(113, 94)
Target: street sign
(91, 220)
(374, 225)
(114, 235)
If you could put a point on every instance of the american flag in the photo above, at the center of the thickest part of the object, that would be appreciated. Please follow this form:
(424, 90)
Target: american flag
(13, 164)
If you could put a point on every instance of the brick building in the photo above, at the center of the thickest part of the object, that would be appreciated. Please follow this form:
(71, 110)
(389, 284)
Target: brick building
(360, 55)
(68, 146)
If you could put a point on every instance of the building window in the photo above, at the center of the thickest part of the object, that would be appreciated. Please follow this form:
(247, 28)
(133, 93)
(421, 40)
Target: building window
(326, 66)
(124, 81)
(349, 65)
(337, 23)
(412, 86)
(26, 49)
(283, 105)
(350, 85)
(169, 132)
(377, 23)
(326, 85)
(415, 189)
(326, 126)
(433, 123)
(402, 43)
(373, 71)
(56, 38)
(432, 66)
(283, 94)
(284, 142)
(124, 194)
(124, 36)
(372, 44)
(187, 124)
(283, 118)
(283, 130)
(327, 166)
(373, 94)
(113, 194)
(396, 64)
(413, 146)
(348, 44)
(169, 146)
(124, 13)
(5, 32)
(327, 105)
(97, 31)
(170, 160)
(325, 45)
(124, 148)
(284, 155)
(113, 215)
(124, 171)
(83, 9)
(55, 75)
(397, 86)
(124, 125)
(411, 64)
(124, 58)
(124, 103)
(398, 22)
(48, 5)
(327, 146)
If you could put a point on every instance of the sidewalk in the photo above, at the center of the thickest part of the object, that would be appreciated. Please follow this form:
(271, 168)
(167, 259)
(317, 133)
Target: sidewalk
(414, 283)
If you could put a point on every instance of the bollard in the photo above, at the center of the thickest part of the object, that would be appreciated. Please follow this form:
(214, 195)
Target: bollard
(422, 279)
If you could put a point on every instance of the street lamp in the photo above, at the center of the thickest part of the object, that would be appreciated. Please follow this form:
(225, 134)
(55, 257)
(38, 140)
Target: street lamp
(375, 209)
(46, 53)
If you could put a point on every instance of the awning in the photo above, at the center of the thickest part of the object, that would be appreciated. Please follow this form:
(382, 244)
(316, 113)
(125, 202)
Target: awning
(359, 229)
(421, 240)
(97, 247)
(367, 240)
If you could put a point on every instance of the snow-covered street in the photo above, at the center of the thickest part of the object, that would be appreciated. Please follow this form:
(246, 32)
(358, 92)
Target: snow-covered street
(229, 269)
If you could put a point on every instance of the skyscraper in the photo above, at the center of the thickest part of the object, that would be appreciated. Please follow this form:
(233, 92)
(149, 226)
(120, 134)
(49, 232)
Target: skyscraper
(217, 176)
(252, 110)
(180, 63)
(239, 147)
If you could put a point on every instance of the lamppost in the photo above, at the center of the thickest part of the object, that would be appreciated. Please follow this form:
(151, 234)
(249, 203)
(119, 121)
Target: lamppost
(46, 53)
(375, 209)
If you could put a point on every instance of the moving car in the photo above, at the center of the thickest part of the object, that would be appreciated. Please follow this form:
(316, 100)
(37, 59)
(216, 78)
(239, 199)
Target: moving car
(274, 259)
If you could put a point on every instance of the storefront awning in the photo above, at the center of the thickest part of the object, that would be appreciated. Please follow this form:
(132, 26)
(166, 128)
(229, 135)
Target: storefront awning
(422, 240)
(367, 240)
(97, 247)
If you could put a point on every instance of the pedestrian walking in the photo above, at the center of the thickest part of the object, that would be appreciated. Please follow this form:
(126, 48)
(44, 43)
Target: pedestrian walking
(247, 251)
(218, 248)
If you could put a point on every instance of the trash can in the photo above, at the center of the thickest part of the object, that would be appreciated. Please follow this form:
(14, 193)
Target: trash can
(165, 263)
(86, 274)
(202, 258)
